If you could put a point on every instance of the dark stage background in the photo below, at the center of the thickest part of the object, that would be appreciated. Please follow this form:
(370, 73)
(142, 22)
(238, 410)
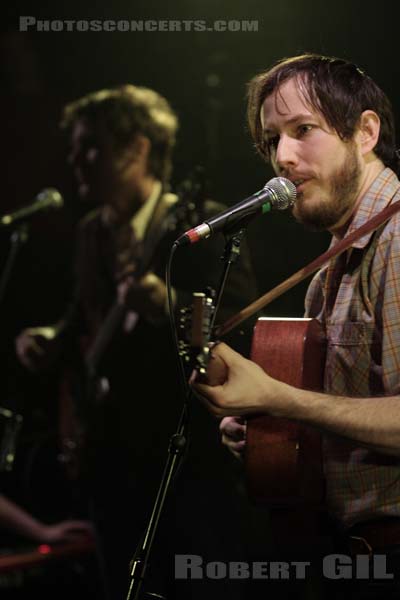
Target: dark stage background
(204, 75)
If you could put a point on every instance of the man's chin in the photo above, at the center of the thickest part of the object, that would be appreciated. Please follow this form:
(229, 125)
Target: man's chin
(87, 194)
(313, 216)
(304, 210)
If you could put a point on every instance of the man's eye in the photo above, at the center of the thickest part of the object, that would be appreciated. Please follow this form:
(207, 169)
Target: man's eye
(303, 129)
(272, 142)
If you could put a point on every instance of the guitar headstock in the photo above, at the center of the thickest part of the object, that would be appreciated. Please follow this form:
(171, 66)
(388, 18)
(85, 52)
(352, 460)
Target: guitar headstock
(195, 330)
(189, 208)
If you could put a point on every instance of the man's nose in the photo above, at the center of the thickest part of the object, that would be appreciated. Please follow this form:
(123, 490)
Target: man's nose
(286, 153)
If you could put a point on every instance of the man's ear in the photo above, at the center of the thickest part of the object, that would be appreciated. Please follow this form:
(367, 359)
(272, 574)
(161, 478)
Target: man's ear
(368, 131)
(138, 150)
(141, 146)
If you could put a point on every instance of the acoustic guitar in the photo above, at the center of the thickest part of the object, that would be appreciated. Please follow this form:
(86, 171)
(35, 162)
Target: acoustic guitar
(283, 459)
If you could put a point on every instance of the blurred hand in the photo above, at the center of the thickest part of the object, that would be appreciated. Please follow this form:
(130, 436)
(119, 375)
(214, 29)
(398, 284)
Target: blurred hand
(146, 296)
(37, 347)
(65, 531)
(233, 430)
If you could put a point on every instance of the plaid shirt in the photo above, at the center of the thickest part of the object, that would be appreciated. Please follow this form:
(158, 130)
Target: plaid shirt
(357, 298)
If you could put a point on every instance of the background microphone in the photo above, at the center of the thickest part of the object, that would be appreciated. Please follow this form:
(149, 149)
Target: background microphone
(45, 200)
(278, 193)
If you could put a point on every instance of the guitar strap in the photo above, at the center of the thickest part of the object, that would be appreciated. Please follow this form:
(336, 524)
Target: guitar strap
(306, 271)
(156, 227)
(117, 312)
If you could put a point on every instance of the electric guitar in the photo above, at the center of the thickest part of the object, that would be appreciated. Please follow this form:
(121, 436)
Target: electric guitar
(80, 391)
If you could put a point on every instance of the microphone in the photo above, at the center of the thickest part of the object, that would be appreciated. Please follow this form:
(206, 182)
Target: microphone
(278, 193)
(45, 200)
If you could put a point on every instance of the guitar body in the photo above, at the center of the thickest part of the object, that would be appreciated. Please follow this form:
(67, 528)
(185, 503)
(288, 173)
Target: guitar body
(283, 459)
(72, 421)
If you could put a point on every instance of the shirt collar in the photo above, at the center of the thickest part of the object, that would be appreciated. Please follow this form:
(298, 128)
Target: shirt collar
(141, 219)
(378, 196)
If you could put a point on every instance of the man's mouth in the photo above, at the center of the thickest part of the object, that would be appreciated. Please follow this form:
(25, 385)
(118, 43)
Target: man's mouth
(300, 183)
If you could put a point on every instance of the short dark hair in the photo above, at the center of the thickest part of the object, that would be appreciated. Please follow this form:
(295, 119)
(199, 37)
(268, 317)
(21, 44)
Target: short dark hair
(126, 111)
(337, 89)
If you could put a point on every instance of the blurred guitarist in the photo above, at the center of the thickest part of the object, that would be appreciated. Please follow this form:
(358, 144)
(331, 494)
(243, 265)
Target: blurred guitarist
(121, 143)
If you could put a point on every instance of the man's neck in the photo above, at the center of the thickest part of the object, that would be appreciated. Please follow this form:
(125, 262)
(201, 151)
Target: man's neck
(123, 208)
(371, 171)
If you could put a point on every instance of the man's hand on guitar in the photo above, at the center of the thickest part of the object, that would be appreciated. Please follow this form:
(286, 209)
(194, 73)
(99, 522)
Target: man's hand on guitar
(37, 347)
(245, 389)
(146, 296)
(233, 430)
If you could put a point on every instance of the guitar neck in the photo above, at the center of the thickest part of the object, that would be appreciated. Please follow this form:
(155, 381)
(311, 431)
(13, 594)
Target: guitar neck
(116, 313)
(168, 215)
(104, 336)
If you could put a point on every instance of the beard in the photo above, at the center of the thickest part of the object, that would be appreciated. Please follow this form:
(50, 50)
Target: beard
(343, 187)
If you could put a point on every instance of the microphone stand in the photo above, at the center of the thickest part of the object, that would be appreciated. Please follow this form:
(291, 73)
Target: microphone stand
(140, 559)
(18, 237)
(177, 446)
(13, 421)
(230, 256)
